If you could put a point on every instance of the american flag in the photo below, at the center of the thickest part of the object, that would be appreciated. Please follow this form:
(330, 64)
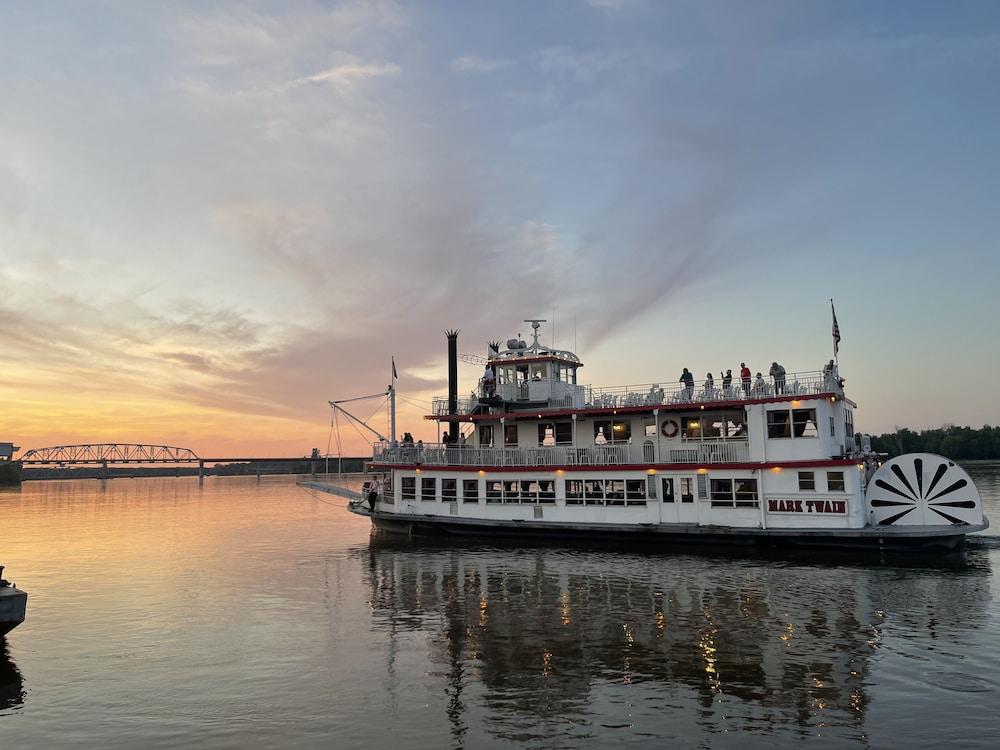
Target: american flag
(836, 330)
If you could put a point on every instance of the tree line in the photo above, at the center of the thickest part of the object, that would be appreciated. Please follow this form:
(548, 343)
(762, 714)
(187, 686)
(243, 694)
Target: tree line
(956, 443)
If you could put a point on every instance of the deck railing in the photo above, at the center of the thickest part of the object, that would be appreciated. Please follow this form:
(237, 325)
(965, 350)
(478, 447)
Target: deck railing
(655, 394)
(611, 454)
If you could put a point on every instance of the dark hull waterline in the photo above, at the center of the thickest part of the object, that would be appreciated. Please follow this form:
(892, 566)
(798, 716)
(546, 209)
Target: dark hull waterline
(913, 539)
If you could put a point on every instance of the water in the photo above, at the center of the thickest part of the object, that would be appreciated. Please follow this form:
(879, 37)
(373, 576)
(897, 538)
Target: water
(243, 614)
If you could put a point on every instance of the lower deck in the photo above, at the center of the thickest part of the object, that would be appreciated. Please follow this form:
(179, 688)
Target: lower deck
(827, 497)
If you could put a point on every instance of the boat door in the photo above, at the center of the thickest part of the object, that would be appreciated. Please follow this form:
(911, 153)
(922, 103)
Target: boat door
(677, 503)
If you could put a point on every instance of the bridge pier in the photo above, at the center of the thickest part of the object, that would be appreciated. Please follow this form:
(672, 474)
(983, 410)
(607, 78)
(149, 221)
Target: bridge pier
(201, 471)
(104, 469)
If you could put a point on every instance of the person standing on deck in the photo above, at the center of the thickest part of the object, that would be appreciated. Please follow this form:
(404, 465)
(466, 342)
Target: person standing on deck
(727, 380)
(777, 373)
(688, 380)
(489, 382)
(373, 491)
(745, 379)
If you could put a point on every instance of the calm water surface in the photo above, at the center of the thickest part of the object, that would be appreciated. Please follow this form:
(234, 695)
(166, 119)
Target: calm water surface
(238, 613)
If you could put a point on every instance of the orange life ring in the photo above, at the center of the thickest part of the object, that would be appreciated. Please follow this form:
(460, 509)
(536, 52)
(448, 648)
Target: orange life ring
(669, 428)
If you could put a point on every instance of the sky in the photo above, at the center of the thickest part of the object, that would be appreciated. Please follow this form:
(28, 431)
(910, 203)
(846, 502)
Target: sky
(215, 217)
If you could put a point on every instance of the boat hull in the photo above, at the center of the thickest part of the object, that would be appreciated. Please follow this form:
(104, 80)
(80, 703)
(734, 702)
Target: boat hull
(13, 604)
(913, 539)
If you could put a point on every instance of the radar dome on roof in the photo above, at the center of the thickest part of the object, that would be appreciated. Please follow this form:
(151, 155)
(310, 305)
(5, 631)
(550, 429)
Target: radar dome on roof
(515, 344)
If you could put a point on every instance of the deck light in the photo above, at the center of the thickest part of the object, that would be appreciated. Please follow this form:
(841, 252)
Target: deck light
(776, 469)
(651, 472)
(703, 471)
(796, 403)
(560, 472)
(418, 471)
(482, 473)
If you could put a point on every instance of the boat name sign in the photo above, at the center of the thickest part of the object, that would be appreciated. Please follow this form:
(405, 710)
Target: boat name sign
(826, 507)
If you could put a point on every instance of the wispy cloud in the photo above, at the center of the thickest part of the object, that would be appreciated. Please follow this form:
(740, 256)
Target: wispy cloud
(346, 75)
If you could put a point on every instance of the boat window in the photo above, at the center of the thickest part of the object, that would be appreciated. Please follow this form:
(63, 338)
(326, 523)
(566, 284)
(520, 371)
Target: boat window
(635, 492)
(529, 491)
(835, 481)
(470, 490)
(540, 371)
(494, 491)
(804, 423)
(722, 492)
(668, 490)
(778, 424)
(510, 491)
(562, 433)
(614, 491)
(734, 493)
(833, 427)
(687, 490)
(849, 421)
(736, 425)
(428, 488)
(715, 428)
(649, 426)
(613, 430)
(691, 428)
(409, 488)
(546, 491)
(807, 480)
(651, 487)
(703, 486)
(449, 490)
(574, 492)
(745, 493)
(486, 436)
(510, 435)
(593, 490)
(622, 430)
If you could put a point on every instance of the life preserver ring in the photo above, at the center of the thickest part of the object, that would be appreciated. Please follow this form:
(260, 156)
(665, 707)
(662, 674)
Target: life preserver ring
(669, 428)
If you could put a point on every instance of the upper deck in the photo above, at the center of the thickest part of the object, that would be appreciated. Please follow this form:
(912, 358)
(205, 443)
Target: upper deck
(547, 396)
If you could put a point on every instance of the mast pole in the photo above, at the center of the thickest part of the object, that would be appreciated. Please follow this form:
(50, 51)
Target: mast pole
(392, 404)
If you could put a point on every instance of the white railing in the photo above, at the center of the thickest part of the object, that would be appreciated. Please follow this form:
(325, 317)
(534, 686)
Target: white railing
(654, 394)
(611, 454)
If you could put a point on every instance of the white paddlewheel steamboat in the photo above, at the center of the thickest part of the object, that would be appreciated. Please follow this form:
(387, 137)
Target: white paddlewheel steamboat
(533, 453)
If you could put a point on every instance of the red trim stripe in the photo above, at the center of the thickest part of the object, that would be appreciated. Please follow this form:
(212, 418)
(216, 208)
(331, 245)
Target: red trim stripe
(624, 467)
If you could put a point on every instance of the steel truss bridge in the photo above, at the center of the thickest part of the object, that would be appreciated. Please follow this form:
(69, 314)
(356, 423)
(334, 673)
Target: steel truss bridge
(110, 453)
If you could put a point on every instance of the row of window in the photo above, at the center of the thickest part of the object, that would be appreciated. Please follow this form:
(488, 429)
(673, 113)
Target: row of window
(734, 493)
(834, 481)
(781, 423)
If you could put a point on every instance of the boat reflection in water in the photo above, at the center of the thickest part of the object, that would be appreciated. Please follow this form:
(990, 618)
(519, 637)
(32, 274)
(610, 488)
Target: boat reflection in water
(11, 682)
(554, 645)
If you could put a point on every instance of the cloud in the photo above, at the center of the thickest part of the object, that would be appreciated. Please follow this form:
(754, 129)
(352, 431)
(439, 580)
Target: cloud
(346, 75)
(473, 64)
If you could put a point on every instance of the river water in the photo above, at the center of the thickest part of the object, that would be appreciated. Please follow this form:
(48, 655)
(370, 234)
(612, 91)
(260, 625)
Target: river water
(243, 613)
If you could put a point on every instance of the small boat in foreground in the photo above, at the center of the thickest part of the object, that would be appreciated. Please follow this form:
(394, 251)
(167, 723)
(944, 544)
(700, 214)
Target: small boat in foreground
(533, 453)
(13, 603)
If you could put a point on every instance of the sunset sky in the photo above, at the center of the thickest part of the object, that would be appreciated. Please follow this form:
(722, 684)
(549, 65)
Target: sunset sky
(214, 217)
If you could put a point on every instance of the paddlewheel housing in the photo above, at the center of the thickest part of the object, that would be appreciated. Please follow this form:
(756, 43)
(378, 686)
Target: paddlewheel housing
(923, 489)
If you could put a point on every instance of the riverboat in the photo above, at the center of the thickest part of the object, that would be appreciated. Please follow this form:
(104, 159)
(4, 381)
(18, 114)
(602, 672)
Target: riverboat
(533, 453)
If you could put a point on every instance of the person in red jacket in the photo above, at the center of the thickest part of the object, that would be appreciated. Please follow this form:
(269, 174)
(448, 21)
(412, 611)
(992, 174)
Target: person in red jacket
(745, 378)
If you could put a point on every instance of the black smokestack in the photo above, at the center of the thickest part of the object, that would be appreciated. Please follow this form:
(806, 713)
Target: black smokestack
(452, 374)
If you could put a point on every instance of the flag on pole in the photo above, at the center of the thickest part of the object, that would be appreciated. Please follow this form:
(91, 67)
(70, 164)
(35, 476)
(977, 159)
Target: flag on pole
(394, 376)
(836, 330)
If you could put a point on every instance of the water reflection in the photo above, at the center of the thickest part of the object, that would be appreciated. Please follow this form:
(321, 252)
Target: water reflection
(554, 645)
(11, 682)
